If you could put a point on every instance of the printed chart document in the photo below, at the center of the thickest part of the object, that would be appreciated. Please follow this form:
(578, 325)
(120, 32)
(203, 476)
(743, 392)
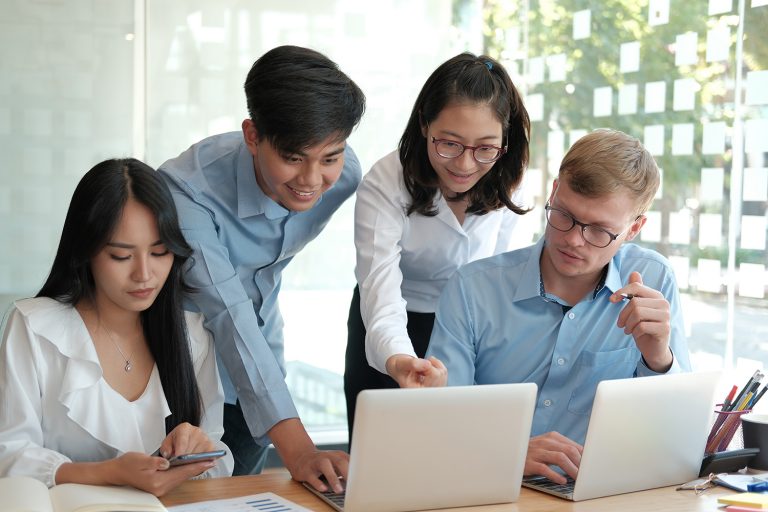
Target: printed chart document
(265, 501)
(23, 494)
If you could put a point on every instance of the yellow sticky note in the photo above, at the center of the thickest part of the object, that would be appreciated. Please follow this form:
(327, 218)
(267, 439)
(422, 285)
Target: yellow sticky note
(746, 499)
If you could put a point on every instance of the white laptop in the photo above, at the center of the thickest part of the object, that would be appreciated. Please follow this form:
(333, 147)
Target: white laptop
(643, 433)
(417, 449)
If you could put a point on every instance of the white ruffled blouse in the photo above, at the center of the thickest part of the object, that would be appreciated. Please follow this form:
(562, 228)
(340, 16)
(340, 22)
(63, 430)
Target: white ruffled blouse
(56, 406)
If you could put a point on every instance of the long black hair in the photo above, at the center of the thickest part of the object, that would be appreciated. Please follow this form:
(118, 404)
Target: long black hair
(474, 80)
(93, 214)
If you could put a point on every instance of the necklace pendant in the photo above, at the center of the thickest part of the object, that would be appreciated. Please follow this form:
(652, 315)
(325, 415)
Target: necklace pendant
(128, 366)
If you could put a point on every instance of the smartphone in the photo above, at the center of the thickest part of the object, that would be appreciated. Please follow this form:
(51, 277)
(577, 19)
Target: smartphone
(189, 458)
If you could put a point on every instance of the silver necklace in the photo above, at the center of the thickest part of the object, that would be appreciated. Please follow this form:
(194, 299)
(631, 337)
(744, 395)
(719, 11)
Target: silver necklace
(128, 367)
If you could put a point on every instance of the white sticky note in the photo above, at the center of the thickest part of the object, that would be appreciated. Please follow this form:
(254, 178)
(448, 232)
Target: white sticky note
(582, 24)
(708, 275)
(575, 135)
(755, 140)
(711, 184)
(556, 64)
(682, 139)
(752, 280)
(710, 230)
(628, 99)
(681, 266)
(680, 227)
(651, 231)
(759, 3)
(713, 138)
(753, 232)
(757, 88)
(629, 57)
(655, 97)
(653, 139)
(686, 49)
(556, 145)
(603, 102)
(660, 190)
(718, 43)
(684, 94)
(755, 181)
(719, 6)
(658, 12)
(535, 70)
(534, 104)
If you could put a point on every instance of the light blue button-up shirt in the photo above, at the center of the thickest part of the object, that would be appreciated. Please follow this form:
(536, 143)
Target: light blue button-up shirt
(242, 241)
(493, 326)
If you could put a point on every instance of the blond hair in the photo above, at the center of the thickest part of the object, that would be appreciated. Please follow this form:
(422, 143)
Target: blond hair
(606, 161)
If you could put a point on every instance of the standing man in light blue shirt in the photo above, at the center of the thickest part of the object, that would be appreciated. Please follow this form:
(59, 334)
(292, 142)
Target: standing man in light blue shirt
(248, 202)
(578, 307)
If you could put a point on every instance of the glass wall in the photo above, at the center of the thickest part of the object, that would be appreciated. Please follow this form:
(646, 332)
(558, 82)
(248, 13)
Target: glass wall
(690, 82)
(84, 80)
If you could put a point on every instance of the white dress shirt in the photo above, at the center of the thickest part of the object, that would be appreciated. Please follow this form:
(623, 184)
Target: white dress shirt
(56, 406)
(404, 261)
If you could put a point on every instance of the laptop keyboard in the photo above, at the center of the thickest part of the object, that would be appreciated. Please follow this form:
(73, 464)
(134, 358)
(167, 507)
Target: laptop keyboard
(545, 483)
(336, 497)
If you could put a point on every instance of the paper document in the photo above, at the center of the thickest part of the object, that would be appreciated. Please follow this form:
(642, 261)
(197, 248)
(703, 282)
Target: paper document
(265, 501)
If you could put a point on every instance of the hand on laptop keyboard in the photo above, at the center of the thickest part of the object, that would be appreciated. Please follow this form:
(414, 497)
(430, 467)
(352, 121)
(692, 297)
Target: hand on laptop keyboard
(553, 449)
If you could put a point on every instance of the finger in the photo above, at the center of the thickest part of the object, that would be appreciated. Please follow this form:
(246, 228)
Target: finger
(326, 467)
(437, 363)
(159, 463)
(635, 277)
(181, 441)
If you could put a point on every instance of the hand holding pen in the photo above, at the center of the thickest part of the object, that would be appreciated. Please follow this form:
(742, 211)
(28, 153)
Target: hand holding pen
(646, 317)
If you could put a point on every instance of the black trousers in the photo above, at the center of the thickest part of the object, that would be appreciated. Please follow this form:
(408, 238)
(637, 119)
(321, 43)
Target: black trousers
(358, 374)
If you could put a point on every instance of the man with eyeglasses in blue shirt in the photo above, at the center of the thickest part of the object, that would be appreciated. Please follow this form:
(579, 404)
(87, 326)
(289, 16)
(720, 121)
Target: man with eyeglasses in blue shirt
(578, 307)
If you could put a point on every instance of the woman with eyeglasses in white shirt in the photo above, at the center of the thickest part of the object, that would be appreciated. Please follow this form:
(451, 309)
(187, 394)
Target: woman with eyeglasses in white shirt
(447, 196)
(103, 369)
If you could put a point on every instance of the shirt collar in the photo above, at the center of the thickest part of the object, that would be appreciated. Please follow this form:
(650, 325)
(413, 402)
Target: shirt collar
(530, 278)
(251, 200)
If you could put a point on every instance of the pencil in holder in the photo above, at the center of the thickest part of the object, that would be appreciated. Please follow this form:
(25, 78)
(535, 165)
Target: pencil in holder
(726, 427)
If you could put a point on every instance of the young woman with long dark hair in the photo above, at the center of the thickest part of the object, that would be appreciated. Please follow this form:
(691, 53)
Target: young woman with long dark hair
(103, 368)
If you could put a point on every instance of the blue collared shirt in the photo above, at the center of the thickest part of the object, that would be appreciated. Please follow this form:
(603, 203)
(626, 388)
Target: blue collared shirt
(242, 241)
(493, 326)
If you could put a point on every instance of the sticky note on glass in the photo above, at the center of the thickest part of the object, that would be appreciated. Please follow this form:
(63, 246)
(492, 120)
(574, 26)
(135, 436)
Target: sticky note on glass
(535, 70)
(628, 99)
(684, 94)
(655, 97)
(686, 49)
(720, 6)
(682, 139)
(603, 102)
(718, 43)
(629, 57)
(713, 138)
(658, 12)
(653, 139)
(582, 24)
(757, 88)
(534, 103)
(557, 67)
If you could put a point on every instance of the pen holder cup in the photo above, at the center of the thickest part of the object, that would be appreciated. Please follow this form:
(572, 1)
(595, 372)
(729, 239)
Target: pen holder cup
(726, 431)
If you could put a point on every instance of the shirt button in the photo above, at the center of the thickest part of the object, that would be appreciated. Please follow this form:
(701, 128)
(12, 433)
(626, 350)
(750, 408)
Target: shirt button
(560, 361)
(571, 316)
(547, 403)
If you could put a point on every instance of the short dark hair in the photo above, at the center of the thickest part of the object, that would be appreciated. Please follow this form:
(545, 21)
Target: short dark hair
(94, 211)
(471, 79)
(298, 97)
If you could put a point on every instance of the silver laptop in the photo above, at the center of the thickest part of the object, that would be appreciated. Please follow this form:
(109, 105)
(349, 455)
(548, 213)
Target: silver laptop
(417, 449)
(643, 433)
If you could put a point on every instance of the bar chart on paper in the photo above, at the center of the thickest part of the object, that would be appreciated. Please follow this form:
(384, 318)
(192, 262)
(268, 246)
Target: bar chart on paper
(265, 501)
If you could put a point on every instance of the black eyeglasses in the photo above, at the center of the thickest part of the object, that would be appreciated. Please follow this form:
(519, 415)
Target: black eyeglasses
(485, 154)
(593, 235)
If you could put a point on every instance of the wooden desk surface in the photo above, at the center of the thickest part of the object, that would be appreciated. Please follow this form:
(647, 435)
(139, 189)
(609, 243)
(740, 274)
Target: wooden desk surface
(280, 483)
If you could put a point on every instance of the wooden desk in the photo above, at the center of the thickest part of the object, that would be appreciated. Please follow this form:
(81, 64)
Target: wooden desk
(280, 483)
